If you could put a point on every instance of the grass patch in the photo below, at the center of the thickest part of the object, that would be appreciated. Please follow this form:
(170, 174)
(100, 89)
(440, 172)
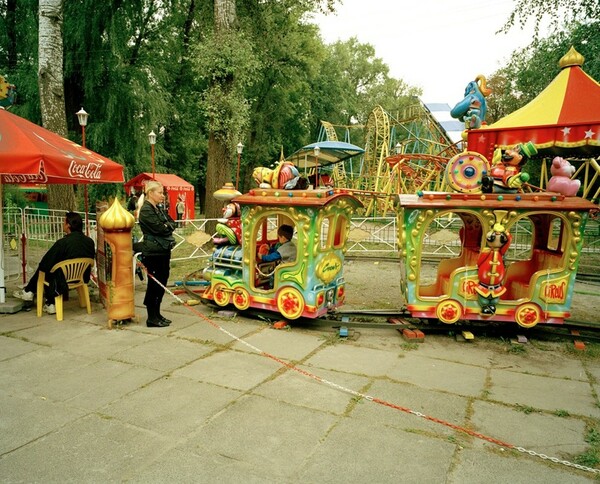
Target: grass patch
(526, 409)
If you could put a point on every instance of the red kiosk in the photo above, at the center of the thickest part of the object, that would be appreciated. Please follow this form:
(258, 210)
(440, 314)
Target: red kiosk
(176, 187)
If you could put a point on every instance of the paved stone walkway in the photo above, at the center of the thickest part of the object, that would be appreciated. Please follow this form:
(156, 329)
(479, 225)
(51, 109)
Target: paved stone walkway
(81, 403)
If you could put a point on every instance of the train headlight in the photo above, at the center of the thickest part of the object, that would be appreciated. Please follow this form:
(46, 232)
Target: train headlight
(320, 299)
(341, 292)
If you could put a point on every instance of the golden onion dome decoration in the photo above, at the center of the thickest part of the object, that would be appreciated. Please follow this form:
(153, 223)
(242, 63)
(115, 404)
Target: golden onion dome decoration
(116, 218)
(226, 192)
(571, 58)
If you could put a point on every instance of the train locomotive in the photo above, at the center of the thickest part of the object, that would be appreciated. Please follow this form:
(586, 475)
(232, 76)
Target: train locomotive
(311, 285)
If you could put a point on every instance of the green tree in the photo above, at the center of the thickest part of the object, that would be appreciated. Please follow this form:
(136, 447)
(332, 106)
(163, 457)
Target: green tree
(558, 12)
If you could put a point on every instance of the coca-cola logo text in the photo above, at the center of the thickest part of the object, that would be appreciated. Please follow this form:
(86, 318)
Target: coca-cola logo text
(89, 171)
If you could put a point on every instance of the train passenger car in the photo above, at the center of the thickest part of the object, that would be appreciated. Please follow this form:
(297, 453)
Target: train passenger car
(481, 283)
(309, 286)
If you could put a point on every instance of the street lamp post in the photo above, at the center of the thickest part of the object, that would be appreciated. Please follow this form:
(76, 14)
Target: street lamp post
(82, 116)
(239, 148)
(152, 140)
(317, 153)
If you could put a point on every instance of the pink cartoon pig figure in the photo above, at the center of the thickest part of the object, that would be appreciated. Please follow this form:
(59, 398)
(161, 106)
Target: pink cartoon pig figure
(561, 182)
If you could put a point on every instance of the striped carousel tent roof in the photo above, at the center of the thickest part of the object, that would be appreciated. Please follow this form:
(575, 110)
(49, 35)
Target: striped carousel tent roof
(564, 119)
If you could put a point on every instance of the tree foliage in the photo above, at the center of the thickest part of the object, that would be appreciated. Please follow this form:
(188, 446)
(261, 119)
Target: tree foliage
(150, 65)
(558, 12)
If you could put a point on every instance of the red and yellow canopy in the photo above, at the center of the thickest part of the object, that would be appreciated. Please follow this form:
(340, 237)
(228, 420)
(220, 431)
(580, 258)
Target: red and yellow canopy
(563, 119)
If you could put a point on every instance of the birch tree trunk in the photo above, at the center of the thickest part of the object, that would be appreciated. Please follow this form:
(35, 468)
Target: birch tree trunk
(51, 85)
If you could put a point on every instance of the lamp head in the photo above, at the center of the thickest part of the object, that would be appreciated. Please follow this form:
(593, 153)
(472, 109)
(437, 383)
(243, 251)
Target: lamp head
(82, 116)
(239, 148)
(152, 137)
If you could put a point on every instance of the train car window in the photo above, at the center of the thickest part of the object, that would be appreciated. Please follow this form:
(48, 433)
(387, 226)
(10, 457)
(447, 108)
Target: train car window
(555, 237)
(456, 238)
(522, 232)
(341, 228)
(326, 225)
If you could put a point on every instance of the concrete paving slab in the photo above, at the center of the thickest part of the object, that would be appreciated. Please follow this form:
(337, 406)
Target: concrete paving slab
(282, 343)
(175, 406)
(295, 388)
(51, 332)
(551, 363)
(446, 348)
(202, 331)
(105, 344)
(19, 321)
(231, 369)
(184, 466)
(165, 354)
(274, 438)
(351, 358)
(475, 467)
(593, 368)
(91, 449)
(25, 419)
(562, 437)
(360, 451)
(544, 393)
(441, 405)
(108, 384)
(436, 374)
(11, 347)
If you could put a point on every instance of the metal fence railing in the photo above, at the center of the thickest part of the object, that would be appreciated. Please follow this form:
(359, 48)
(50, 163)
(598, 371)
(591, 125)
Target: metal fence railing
(29, 232)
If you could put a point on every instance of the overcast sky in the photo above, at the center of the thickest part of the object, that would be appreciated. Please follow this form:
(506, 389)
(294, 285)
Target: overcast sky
(438, 45)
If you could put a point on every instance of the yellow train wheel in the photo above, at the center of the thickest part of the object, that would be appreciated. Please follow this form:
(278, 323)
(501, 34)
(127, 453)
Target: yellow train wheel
(528, 315)
(221, 295)
(290, 303)
(449, 311)
(241, 298)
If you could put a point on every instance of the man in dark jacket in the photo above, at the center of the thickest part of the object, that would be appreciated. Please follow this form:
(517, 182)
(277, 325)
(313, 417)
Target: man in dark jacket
(73, 245)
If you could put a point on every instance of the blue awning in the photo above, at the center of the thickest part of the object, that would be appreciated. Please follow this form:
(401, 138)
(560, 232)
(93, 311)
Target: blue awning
(330, 152)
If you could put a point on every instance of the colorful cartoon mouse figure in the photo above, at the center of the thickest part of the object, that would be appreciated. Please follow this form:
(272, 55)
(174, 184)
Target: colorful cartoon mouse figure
(229, 228)
(491, 269)
(505, 175)
(472, 109)
(561, 182)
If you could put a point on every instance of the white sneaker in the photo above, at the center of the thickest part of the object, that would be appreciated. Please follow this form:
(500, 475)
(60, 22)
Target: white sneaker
(23, 295)
(49, 308)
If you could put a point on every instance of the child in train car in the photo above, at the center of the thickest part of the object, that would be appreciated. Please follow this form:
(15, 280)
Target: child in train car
(284, 250)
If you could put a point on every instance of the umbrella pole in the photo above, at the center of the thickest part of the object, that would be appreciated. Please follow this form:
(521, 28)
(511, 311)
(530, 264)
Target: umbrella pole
(87, 211)
(3, 287)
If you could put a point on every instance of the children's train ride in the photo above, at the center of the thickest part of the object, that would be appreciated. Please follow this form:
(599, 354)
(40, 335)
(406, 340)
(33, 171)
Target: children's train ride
(479, 284)
(310, 285)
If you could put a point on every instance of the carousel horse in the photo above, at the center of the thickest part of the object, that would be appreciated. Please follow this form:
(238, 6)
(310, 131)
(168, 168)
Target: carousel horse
(472, 109)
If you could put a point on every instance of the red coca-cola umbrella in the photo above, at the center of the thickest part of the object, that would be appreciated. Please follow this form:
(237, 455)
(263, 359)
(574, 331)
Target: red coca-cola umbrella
(32, 154)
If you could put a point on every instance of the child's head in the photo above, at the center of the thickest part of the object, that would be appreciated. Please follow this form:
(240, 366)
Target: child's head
(286, 231)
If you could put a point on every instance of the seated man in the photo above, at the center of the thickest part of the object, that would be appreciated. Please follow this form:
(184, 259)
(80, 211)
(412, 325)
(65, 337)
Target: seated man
(284, 250)
(72, 246)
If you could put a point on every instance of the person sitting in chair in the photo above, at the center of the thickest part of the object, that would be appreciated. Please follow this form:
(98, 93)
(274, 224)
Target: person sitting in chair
(73, 245)
(284, 250)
